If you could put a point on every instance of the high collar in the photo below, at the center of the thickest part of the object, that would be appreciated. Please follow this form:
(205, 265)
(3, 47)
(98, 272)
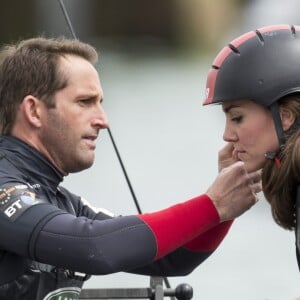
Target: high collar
(30, 161)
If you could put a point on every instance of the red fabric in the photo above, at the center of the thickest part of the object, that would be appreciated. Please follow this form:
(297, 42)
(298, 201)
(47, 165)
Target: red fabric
(175, 226)
(209, 240)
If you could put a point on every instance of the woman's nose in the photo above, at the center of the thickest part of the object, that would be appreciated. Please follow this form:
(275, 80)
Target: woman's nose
(229, 135)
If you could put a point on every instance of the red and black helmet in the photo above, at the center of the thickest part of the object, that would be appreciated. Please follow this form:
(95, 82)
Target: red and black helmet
(261, 65)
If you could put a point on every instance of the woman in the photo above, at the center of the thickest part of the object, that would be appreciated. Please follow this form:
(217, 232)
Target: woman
(256, 78)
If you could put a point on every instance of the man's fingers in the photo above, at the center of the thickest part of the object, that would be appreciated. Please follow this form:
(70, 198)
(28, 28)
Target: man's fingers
(226, 157)
(234, 191)
(256, 187)
(255, 181)
(255, 176)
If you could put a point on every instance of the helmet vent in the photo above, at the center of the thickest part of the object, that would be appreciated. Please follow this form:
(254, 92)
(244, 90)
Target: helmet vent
(260, 37)
(293, 29)
(234, 49)
(262, 65)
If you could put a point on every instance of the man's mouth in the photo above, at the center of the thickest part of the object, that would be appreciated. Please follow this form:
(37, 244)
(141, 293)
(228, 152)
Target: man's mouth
(91, 140)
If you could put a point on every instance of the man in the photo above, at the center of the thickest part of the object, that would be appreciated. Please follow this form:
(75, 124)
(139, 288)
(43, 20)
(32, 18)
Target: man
(50, 118)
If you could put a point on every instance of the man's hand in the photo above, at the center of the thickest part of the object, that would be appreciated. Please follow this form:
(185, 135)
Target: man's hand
(227, 156)
(234, 191)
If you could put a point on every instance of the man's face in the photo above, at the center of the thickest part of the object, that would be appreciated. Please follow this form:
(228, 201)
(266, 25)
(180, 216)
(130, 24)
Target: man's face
(70, 129)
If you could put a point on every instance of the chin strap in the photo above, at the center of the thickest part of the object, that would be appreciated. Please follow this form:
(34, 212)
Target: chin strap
(278, 124)
(280, 135)
(275, 157)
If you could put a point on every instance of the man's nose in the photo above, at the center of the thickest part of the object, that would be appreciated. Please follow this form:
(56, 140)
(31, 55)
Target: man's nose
(100, 119)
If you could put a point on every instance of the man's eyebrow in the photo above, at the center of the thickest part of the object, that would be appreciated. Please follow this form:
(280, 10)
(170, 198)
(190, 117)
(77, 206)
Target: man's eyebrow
(90, 96)
(228, 108)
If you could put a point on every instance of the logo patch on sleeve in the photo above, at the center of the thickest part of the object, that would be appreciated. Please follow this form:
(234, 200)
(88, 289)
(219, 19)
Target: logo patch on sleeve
(15, 199)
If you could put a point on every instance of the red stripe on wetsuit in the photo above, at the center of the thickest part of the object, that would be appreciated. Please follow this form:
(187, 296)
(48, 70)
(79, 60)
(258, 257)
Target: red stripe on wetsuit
(183, 225)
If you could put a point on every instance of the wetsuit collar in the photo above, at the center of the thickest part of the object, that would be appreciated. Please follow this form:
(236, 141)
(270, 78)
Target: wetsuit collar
(30, 161)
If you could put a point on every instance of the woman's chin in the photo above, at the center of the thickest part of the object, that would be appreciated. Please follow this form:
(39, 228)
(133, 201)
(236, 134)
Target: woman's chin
(251, 167)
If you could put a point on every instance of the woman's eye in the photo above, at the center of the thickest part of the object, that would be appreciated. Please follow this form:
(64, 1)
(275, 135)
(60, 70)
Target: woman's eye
(237, 119)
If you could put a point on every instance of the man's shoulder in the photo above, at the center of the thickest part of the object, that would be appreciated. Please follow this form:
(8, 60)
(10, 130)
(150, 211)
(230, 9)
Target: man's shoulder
(16, 198)
(68, 193)
(8, 171)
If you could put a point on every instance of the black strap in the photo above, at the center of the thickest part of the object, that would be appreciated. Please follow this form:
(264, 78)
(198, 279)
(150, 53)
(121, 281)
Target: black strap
(278, 124)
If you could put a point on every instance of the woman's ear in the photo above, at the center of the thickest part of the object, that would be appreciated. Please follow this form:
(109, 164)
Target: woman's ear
(287, 118)
(32, 110)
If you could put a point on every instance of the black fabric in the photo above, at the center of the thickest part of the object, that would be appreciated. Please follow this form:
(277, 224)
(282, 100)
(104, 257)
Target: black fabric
(37, 243)
(48, 234)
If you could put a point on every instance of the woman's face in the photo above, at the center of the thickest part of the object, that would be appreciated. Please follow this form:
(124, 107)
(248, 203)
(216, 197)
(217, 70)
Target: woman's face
(251, 130)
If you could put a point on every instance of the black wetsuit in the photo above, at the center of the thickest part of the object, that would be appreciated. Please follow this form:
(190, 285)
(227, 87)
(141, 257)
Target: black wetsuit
(48, 235)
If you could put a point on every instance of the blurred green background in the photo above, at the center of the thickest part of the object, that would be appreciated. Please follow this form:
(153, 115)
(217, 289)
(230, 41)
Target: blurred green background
(177, 24)
(154, 57)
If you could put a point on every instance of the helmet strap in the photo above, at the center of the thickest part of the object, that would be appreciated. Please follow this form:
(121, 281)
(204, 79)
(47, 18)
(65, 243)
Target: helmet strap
(278, 124)
(280, 134)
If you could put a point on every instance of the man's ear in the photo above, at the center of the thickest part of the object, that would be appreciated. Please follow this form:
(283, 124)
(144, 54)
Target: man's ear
(32, 109)
(287, 118)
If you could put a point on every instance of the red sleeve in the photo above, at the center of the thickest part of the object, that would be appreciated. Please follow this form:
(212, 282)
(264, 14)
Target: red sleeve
(175, 226)
(209, 240)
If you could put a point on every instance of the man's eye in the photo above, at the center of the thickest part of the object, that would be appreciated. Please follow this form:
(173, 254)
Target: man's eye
(85, 101)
